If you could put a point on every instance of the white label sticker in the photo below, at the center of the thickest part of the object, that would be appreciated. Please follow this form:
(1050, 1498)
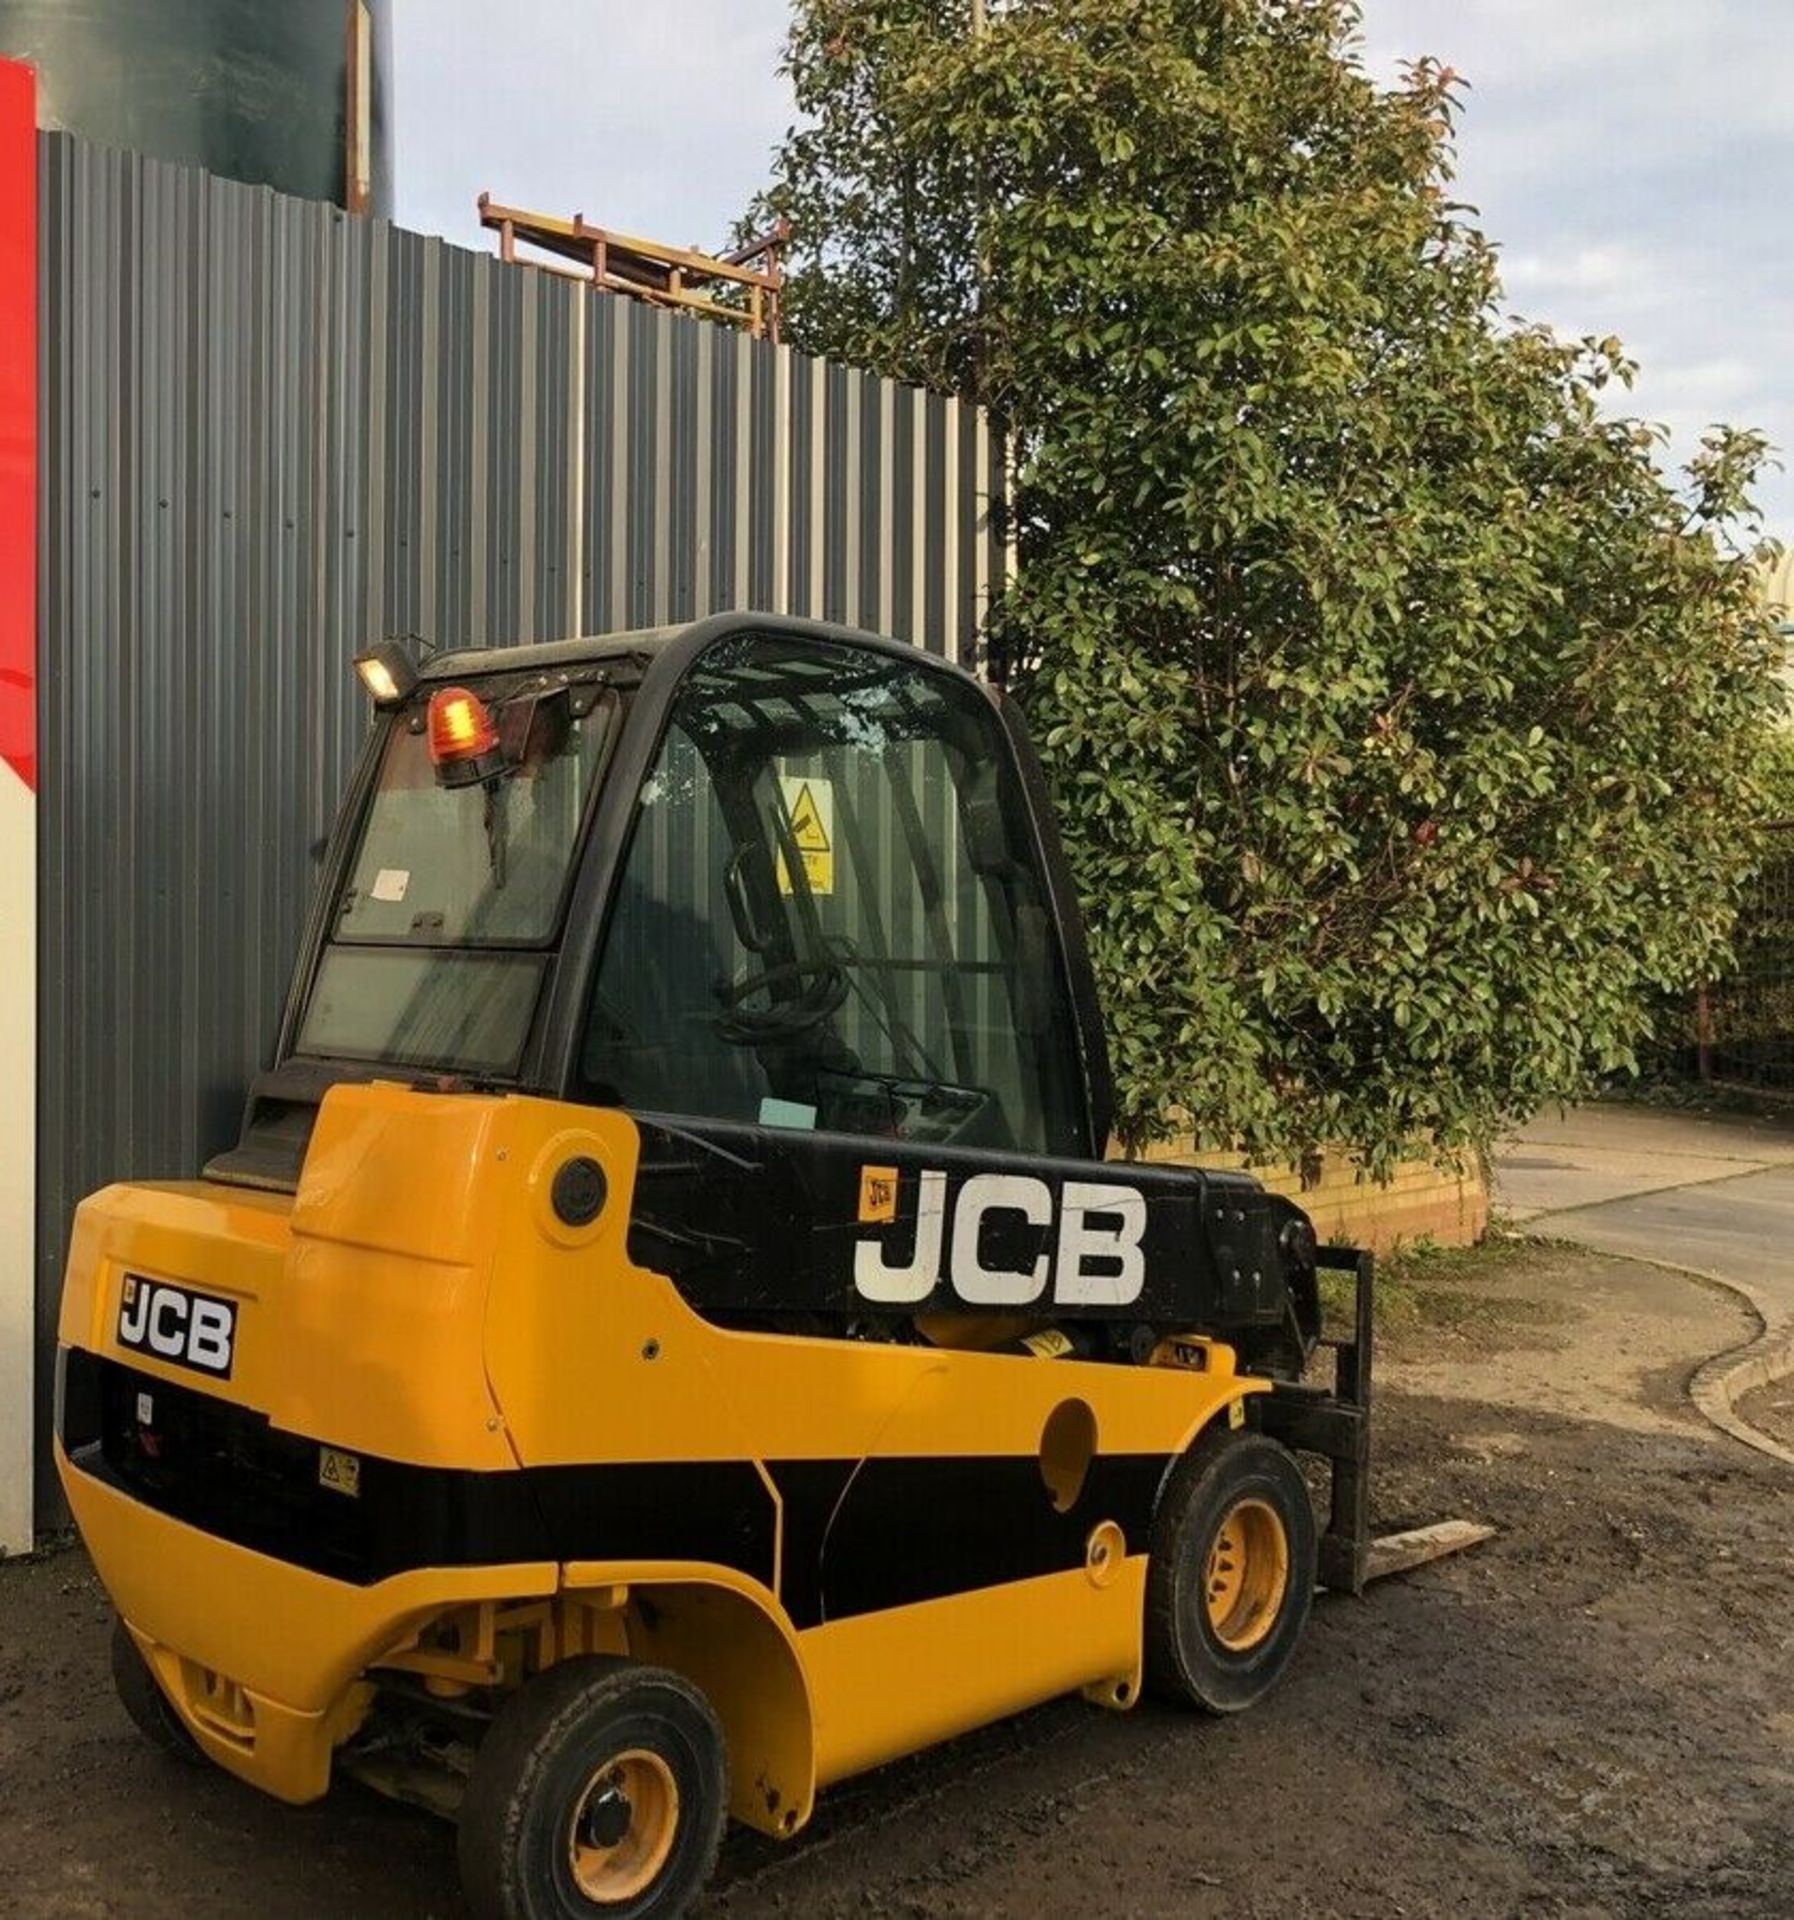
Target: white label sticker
(146, 1410)
(390, 883)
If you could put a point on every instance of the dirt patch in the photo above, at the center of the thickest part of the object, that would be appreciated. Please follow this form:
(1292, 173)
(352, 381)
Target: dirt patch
(1558, 1329)
(1584, 1718)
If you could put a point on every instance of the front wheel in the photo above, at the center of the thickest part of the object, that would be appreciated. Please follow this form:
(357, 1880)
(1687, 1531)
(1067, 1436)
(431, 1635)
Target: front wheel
(600, 1789)
(1230, 1574)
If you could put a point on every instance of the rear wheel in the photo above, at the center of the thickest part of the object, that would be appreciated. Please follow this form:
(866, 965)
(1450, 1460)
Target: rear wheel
(143, 1699)
(1231, 1572)
(601, 1789)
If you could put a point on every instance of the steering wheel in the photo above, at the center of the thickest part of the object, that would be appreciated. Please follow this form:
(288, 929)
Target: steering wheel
(823, 988)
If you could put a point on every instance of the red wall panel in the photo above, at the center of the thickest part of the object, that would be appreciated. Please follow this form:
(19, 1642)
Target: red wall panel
(18, 420)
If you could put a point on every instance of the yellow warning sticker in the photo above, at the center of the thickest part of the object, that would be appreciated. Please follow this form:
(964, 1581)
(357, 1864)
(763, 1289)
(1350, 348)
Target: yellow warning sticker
(1236, 1413)
(1048, 1344)
(340, 1470)
(878, 1194)
(810, 804)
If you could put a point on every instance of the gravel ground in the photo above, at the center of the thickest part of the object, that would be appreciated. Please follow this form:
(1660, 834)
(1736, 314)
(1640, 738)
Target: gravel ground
(1591, 1715)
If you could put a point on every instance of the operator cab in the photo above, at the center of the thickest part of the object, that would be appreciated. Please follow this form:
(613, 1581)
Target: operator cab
(823, 895)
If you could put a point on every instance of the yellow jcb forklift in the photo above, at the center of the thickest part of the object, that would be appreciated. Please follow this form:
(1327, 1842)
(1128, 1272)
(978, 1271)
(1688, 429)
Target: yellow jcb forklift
(667, 1336)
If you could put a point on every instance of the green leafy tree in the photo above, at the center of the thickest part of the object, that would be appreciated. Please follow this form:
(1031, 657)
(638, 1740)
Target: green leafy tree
(1401, 713)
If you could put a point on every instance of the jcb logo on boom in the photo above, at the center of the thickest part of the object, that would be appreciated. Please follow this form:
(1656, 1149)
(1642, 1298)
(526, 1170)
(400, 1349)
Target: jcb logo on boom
(174, 1323)
(1096, 1259)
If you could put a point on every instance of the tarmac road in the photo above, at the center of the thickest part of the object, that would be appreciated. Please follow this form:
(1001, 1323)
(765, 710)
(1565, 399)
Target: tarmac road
(1591, 1716)
(1709, 1192)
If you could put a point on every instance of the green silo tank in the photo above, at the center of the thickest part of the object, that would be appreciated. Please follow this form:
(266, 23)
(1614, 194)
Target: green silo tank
(268, 91)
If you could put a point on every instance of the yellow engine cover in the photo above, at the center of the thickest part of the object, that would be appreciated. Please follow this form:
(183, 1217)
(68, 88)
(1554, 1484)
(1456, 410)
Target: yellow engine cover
(438, 1393)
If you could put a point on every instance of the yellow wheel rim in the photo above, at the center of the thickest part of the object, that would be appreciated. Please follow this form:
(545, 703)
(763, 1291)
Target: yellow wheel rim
(1247, 1575)
(623, 1827)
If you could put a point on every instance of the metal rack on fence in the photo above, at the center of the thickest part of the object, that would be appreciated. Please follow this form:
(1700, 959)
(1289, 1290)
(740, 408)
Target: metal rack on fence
(740, 288)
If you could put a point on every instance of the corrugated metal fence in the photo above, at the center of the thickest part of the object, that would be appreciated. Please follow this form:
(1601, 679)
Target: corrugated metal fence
(271, 433)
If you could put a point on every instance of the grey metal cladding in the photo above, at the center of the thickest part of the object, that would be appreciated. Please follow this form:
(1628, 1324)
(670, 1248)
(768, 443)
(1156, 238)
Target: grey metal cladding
(271, 433)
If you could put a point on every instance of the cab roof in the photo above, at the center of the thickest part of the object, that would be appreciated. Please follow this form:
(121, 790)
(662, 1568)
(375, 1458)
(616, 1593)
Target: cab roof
(642, 643)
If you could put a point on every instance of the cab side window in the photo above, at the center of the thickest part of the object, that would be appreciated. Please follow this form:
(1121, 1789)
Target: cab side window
(831, 913)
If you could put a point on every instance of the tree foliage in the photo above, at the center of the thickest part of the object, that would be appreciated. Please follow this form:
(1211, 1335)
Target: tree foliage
(1401, 713)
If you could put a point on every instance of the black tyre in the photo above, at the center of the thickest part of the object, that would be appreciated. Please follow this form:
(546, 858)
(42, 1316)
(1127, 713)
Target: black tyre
(1231, 1572)
(601, 1788)
(146, 1703)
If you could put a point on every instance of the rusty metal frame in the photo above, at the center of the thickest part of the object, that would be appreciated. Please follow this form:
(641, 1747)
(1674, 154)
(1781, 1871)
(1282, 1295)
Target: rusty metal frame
(676, 277)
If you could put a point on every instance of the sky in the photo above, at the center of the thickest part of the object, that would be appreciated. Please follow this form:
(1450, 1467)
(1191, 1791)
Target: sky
(1634, 158)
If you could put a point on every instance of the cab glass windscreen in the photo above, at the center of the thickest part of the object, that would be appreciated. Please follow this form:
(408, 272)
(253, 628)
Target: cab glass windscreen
(478, 865)
(455, 893)
(463, 1013)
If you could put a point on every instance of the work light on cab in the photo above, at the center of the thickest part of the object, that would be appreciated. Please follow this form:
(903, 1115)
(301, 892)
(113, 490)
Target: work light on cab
(463, 738)
(388, 672)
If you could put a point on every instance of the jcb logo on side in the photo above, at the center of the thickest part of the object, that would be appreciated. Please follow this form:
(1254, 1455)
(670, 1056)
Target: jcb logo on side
(174, 1323)
(1095, 1259)
(878, 1195)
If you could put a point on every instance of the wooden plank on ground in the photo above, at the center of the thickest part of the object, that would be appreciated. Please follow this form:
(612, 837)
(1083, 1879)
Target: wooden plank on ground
(1398, 1552)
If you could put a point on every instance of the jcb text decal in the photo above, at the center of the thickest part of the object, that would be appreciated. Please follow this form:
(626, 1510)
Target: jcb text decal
(174, 1323)
(1095, 1258)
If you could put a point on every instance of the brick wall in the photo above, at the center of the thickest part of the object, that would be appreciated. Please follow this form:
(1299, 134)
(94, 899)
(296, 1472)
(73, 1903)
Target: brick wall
(1420, 1201)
